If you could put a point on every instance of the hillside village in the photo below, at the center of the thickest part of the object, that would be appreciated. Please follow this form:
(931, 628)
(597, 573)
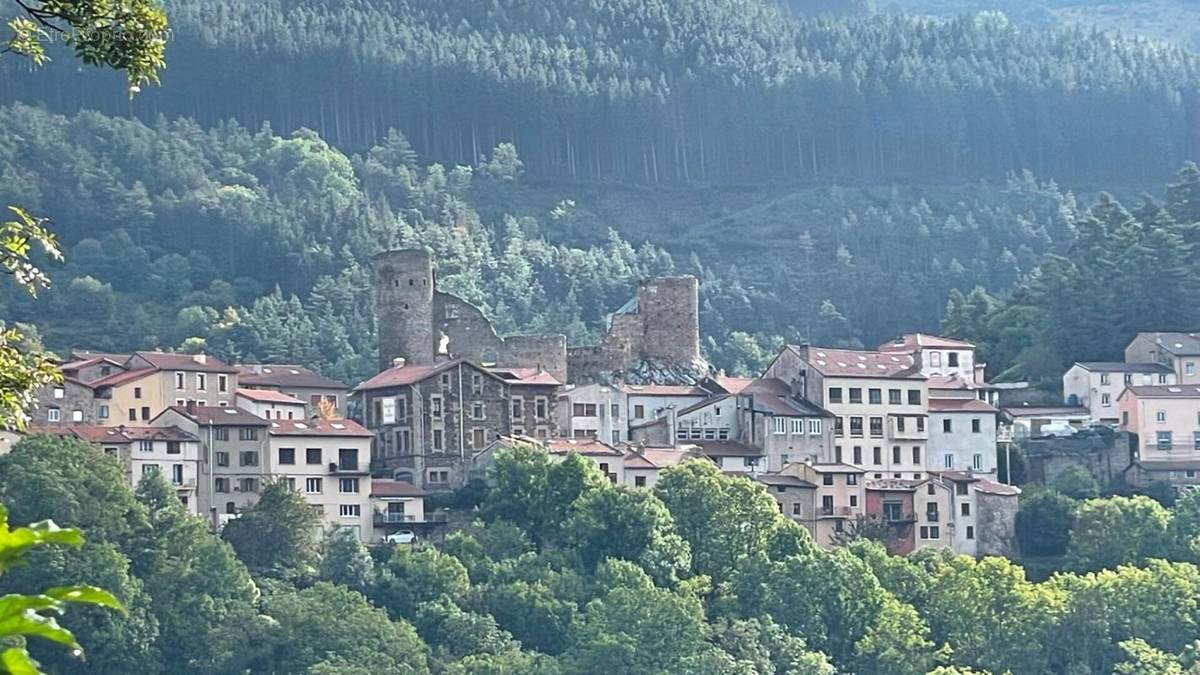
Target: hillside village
(900, 444)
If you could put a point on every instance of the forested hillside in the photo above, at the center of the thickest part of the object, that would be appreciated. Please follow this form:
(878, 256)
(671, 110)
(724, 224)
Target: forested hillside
(677, 91)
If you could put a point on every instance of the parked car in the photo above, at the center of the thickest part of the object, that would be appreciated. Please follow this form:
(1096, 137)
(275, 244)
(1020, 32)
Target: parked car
(401, 537)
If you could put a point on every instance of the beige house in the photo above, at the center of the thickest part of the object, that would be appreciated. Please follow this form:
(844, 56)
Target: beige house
(879, 401)
(395, 506)
(151, 382)
(1178, 351)
(233, 462)
(608, 458)
(298, 382)
(271, 405)
(839, 499)
(644, 464)
(328, 462)
(1165, 423)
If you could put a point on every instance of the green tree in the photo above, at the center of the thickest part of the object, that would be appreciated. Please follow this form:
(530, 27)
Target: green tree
(531, 489)
(1044, 521)
(410, 578)
(1076, 482)
(1142, 659)
(278, 535)
(1117, 531)
(630, 525)
(346, 562)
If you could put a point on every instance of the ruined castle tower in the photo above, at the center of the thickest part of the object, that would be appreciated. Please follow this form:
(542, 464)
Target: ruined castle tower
(670, 313)
(404, 306)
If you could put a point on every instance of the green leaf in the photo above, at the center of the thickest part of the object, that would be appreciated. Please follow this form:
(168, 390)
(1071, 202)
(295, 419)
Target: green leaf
(32, 624)
(16, 661)
(89, 595)
(13, 605)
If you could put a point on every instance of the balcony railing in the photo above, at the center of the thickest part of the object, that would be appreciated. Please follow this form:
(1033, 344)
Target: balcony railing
(346, 467)
(384, 518)
(835, 511)
(899, 518)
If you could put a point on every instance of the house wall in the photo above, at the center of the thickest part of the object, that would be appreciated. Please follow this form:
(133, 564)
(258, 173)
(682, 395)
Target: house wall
(213, 503)
(941, 495)
(139, 462)
(653, 407)
(1182, 421)
(996, 525)
(758, 430)
(936, 361)
(126, 397)
(68, 398)
(1144, 349)
(330, 497)
(797, 503)
(962, 444)
(901, 539)
(524, 400)
(605, 425)
(271, 410)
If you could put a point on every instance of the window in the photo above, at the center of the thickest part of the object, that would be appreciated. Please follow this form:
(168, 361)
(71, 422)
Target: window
(639, 411)
(916, 454)
(876, 427)
(348, 486)
(614, 411)
(1105, 400)
(855, 395)
(877, 455)
(858, 454)
(814, 427)
(851, 479)
(248, 484)
(894, 397)
(145, 413)
(1164, 440)
(921, 424)
(102, 412)
(146, 446)
(222, 458)
(835, 394)
(477, 384)
(1161, 416)
(914, 397)
(1196, 440)
(639, 481)
(247, 434)
(312, 456)
(797, 426)
(970, 532)
(966, 509)
(976, 426)
(222, 383)
(221, 484)
(287, 455)
(895, 454)
(177, 474)
(439, 476)
(948, 426)
(1125, 418)
(248, 458)
(827, 479)
(779, 425)
(179, 381)
(313, 486)
(437, 440)
(221, 433)
(875, 396)
(518, 407)
(174, 448)
(201, 382)
(948, 461)
(289, 482)
(952, 359)
(853, 500)
(1105, 379)
(59, 392)
(445, 381)
(584, 410)
(1129, 378)
(837, 454)
(796, 509)
(977, 462)
(435, 406)
(1189, 368)
(856, 426)
(478, 439)
(930, 532)
(477, 410)
(839, 429)
(133, 414)
(137, 392)
(53, 415)
(900, 424)
(935, 359)
(350, 510)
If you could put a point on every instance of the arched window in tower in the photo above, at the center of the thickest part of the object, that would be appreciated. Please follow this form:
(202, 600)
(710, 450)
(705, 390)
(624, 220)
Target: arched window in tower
(411, 282)
(396, 283)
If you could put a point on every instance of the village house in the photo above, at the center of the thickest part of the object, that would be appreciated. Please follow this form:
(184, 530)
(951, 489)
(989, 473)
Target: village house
(1096, 385)
(270, 404)
(1032, 421)
(399, 506)
(534, 401)
(785, 427)
(233, 449)
(298, 382)
(1164, 421)
(151, 382)
(599, 411)
(644, 464)
(428, 421)
(607, 458)
(651, 402)
(838, 500)
(797, 498)
(328, 463)
(1179, 352)
(879, 402)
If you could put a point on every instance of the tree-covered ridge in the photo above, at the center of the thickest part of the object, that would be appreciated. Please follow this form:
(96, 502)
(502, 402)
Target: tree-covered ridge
(568, 574)
(680, 90)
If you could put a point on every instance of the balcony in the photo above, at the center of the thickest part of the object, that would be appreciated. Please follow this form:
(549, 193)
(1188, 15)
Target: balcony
(383, 518)
(834, 512)
(336, 468)
(899, 518)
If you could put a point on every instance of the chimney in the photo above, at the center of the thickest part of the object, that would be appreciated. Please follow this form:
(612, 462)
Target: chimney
(640, 447)
(191, 406)
(200, 358)
(398, 362)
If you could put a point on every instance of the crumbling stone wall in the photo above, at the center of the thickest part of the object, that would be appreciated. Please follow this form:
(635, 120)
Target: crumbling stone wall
(996, 519)
(466, 333)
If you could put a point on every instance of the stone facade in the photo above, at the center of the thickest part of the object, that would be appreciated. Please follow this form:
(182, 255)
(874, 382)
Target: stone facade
(657, 335)
(66, 403)
(418, 323)
(996, 520)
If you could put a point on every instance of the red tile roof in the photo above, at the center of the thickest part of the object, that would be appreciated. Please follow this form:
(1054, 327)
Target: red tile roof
(525, 376)
(991, 487)
(122, 377)
(951, 382)
(284, 375)
(126, 435)
(1164, 391)
(394, 488)
(663, 390)
(582, 446)
(407, 374)
(773, 397)
(318, 428)
(656, 458)
(188, 362)
(727, 449)
(269, 396)
(914, 341)
(960, 405)
(783, 480)
(734, 385)
(852, 363)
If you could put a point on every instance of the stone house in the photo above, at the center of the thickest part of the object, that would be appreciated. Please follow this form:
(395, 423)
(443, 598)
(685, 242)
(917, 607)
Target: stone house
(534, 401)
(1180, 352)
(429, 421)
(797, 498)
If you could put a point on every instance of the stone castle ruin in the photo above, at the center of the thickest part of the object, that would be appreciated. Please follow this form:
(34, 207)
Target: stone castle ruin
(655, 338)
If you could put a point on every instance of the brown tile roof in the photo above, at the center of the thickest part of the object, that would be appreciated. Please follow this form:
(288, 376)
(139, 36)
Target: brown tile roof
(783, 480)
(914, 341)
(1179, 344)
(269, 396)
(951, 382)
(220, 416)
(126, 435)
(727, 449)
(407, 374)
(582, 446)
(852, 363)
(284, 375)
(525, 376)
(957, 476)
(1122, 367)
(773, 396)
(960, 405)
(1164, 391)
(656, 458)
(1047, 410)
(699, 405)
(991, 487)
(381, 487)
(188, 362)
(734, 385)
(318, 428)
(84, 355)
(122, 377)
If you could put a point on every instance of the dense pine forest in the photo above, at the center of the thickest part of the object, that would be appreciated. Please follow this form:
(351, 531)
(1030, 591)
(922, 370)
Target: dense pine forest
(677, 91)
